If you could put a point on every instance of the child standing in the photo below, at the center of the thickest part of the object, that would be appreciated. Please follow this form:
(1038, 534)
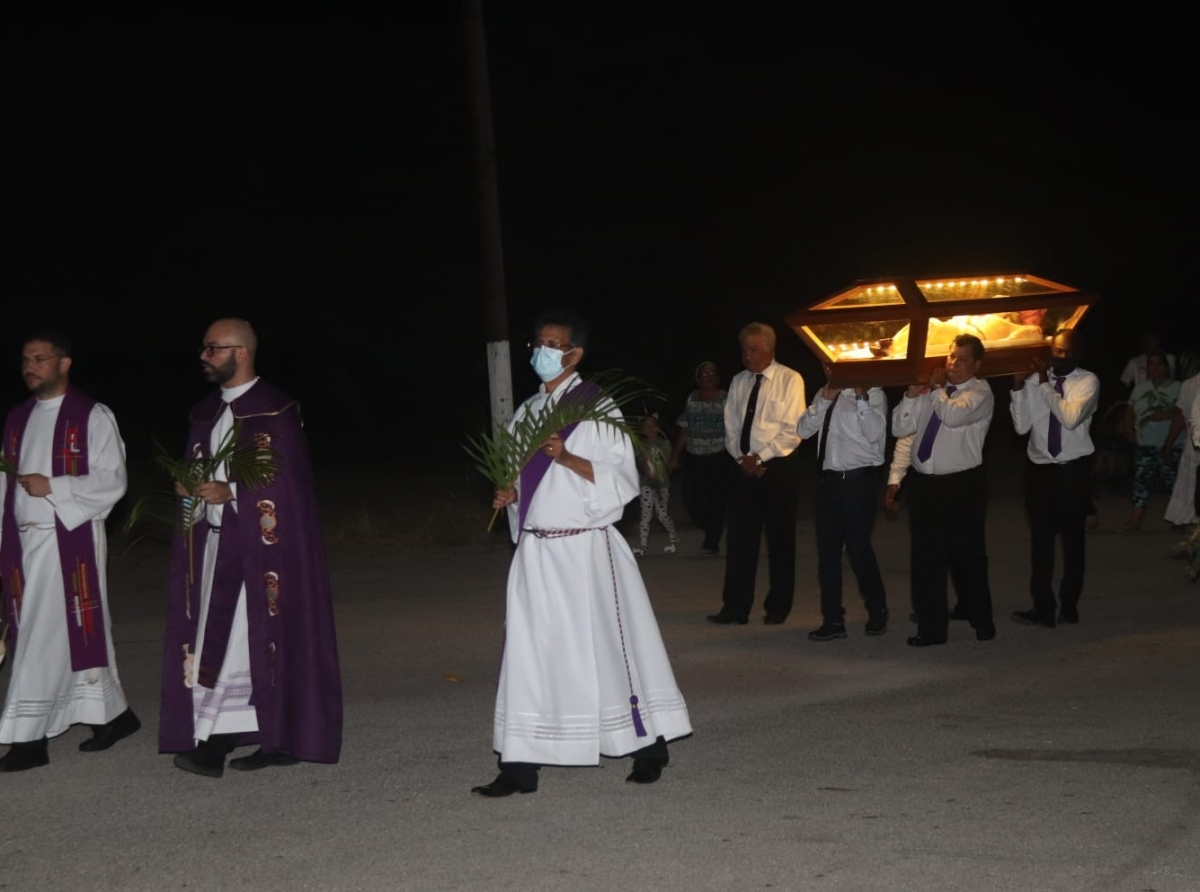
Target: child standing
(652, 457)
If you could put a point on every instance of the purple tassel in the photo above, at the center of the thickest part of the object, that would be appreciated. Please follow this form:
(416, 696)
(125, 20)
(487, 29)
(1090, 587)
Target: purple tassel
(637, 717)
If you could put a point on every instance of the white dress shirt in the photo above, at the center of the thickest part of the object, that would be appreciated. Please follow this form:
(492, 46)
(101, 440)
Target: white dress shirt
(1032, 406)
(965, 417)
(901, 460)
(857, 428)
(780, 405)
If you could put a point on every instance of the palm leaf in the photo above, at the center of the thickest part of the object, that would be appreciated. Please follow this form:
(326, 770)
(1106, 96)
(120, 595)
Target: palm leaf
(6, 466)
(501, 456)
(252, 466)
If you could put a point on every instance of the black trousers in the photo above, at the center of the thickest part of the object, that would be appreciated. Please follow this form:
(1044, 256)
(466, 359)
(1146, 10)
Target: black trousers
(706, 492)
(947, 516)
(1057, 498)
(847, 503)
(758, 504)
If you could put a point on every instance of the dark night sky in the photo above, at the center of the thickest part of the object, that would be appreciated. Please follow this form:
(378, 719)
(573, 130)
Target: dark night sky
(672, 176)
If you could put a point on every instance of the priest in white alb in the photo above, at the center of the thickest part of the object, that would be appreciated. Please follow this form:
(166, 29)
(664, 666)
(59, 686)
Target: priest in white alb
(66, 470)
(584, 672)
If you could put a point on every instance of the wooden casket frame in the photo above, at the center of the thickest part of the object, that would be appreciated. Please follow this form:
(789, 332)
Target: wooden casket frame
(850, 308)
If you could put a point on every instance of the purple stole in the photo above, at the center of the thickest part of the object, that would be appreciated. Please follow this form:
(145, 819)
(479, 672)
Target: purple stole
(76, 548)
(228, 573)
(535, 469)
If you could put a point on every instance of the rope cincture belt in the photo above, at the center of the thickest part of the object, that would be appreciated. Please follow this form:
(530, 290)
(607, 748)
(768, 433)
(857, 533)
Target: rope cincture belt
(638, 727)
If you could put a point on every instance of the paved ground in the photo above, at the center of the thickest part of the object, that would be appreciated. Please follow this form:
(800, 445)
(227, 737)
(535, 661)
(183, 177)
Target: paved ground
(1041, 761)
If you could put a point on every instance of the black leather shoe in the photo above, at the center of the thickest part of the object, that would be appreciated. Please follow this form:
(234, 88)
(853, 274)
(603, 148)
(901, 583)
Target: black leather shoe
(645, 771)
(503, 785)
(877, 624)
(202, 762)
(258, 759)
(769, 620)
(104, 736)
(921, 641)
(25, 755)
(1032, 618)
(207, 759)
(724, 619)
(985, 634)
(1068, 615)
(828, 632)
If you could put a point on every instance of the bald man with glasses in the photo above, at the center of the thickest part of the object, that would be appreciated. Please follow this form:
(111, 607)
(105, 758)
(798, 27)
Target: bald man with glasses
(250, 656)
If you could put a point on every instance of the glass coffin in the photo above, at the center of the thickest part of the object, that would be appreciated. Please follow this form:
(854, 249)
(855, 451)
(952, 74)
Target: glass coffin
(895, 331)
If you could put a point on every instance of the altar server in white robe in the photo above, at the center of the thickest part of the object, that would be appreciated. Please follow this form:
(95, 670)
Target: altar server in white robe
(584, 673)
(70, 471)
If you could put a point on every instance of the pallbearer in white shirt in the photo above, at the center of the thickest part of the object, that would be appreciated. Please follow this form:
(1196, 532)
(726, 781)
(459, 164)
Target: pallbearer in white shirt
(1054, 406)
(948, 504)
(851, 429)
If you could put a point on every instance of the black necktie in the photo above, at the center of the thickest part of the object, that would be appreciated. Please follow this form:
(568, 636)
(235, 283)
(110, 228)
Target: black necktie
(824, 435)
(748, 421)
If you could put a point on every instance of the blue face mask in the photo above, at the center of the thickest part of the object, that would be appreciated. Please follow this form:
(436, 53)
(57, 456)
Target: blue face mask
(547, 362)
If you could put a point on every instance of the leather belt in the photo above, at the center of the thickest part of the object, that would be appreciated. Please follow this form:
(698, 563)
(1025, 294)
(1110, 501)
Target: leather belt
(853, 472)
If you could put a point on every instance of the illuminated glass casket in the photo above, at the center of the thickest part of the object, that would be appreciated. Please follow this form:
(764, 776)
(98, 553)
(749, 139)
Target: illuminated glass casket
(895, 331)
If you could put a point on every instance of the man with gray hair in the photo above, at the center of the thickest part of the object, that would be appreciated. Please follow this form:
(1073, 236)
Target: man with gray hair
(765, 401)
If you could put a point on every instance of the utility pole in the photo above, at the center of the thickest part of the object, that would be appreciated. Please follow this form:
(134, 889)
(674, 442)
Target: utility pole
(492, 254)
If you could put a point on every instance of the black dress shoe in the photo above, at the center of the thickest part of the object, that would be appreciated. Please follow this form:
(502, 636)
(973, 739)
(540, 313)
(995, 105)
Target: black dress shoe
(104, 736)
(877, 624)
(725, 619)
(1032, 618)
(985, 634)
(207, 759)
(503, 785)
(828, 632)
(769, 620)
(1068, 615)
(25, 755)
(921, 641)
(645, 771)
(258, 759)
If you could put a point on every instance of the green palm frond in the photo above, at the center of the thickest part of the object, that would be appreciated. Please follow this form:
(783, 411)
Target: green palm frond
(501, 456)
(252, 466)
(6, 466)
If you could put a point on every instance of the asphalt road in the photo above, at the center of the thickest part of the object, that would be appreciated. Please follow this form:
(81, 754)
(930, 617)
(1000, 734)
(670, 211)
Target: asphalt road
(1044, 760)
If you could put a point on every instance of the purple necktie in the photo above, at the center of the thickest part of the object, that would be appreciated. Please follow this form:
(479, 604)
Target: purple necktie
(926, 448)
(1054, 433)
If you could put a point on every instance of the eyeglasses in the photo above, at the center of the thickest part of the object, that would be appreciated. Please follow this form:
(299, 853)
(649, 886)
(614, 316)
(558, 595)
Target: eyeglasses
(211, 349)
(39, 359)
(552, 345)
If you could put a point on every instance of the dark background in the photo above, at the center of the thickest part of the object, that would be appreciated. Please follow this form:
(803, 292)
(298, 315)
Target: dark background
(671, 174)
